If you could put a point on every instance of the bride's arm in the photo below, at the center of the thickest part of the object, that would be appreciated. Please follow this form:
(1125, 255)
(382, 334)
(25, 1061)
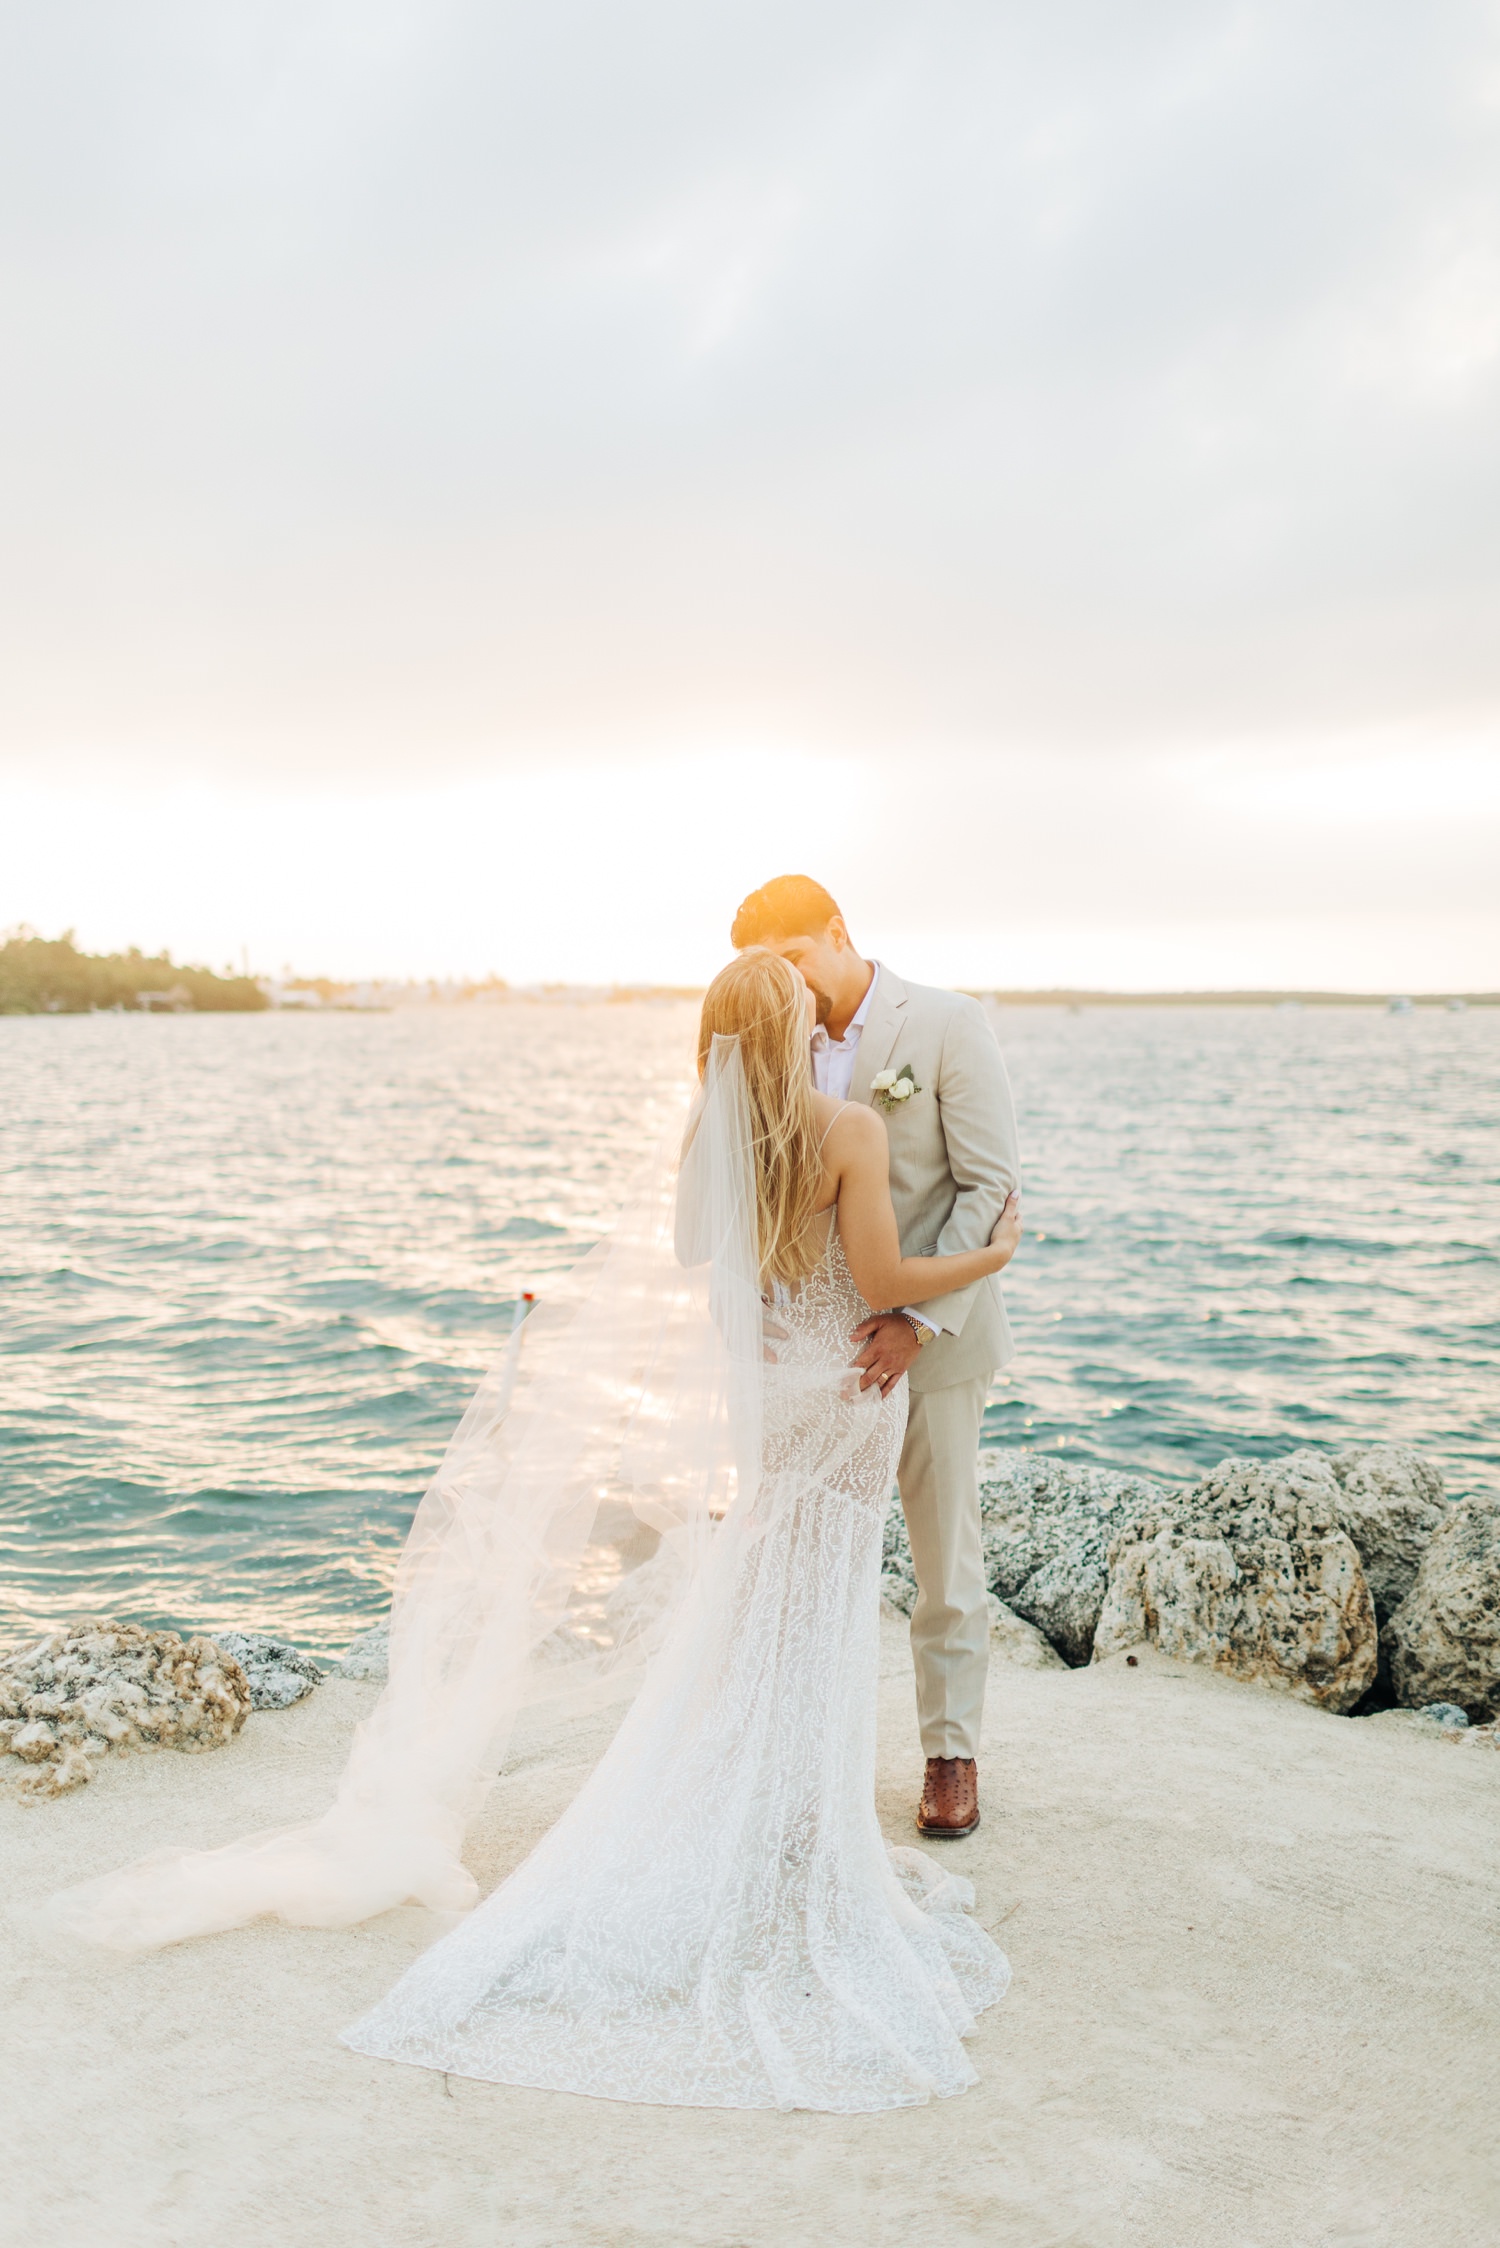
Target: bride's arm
(858, 1152)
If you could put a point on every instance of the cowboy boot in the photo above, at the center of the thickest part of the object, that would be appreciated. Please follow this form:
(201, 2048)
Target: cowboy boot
(950, 1798)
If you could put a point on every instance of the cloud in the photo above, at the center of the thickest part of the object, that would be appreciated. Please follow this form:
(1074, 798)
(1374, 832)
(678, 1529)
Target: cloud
(1097, 407)
(412, 381)
(1013, 871)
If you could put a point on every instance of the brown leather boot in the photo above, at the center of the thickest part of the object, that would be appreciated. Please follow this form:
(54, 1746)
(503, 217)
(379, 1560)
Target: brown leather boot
(950, 1798)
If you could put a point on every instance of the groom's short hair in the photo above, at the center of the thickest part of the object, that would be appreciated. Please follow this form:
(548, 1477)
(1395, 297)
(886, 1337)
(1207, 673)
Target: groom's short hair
(791, 905)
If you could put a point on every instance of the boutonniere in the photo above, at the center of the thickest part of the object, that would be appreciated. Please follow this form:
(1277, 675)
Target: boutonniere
(893, 1086)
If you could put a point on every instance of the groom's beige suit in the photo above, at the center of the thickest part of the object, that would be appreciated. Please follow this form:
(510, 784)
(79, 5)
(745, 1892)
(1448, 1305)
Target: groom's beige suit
(954, 1160)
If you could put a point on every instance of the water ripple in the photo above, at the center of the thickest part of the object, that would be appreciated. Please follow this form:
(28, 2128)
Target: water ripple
(253, 1265)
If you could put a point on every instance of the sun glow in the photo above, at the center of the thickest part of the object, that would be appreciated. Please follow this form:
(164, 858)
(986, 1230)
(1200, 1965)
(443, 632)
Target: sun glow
(1362, 867)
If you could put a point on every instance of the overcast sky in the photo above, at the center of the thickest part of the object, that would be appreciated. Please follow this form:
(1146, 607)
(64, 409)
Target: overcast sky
(484, 485)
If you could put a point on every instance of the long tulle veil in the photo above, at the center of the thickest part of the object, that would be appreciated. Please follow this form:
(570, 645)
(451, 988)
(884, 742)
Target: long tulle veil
(614, 1449)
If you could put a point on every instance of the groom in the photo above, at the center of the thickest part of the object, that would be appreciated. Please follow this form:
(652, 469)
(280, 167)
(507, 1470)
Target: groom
(953, 1162)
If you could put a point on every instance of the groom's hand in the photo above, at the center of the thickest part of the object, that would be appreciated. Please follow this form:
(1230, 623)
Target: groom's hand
(889, 1344)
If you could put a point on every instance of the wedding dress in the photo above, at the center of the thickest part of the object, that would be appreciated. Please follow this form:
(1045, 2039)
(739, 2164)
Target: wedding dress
(715, 1920)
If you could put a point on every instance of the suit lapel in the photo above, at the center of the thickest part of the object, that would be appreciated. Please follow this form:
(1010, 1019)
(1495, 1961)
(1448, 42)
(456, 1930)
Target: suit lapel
(878, 1038)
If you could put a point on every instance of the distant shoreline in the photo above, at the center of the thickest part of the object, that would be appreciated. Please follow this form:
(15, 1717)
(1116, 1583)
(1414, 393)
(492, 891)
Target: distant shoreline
(41, 976)
(656, 995)
(399, 999)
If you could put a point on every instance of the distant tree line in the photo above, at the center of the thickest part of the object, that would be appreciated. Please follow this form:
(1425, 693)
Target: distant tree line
(50, 976)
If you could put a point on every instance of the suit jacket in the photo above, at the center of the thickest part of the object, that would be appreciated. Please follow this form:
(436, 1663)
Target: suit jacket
(954, 1158)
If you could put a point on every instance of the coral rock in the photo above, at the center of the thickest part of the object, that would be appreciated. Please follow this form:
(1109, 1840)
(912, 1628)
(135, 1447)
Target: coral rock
(67, 1770)
(367, 1657)
(1443, 1642)
(34, 1741)
(1445, 1713)
(1392, 1505)
(1250, 1573)
(1046, 1529)
(277, 1673)
(1016, 1641)
(98, 1685)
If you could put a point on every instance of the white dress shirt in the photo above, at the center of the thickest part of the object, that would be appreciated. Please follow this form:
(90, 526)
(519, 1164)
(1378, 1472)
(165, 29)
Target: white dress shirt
(833, 1070)
(833, 1058)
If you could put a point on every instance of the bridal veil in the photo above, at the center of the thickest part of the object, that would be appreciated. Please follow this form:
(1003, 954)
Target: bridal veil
(615, 1446)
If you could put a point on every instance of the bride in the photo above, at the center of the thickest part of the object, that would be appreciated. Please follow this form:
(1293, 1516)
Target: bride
(715, 1920)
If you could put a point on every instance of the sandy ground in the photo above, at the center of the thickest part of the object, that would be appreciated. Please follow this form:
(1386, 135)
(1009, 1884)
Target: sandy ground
(1255, 2004)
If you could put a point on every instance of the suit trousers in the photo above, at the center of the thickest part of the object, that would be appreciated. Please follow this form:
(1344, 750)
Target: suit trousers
(950, 1625)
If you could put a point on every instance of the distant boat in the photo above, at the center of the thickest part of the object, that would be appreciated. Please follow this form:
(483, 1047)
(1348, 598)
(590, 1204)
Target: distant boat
(1398, 1006)
(1458, 1006)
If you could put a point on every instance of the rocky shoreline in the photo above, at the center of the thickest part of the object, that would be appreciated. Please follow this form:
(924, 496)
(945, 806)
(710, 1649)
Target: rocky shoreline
(1348, 1581)
(98, 1687)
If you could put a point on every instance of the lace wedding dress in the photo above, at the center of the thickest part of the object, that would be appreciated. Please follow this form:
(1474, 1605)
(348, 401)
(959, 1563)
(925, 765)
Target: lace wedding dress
(716, 1920)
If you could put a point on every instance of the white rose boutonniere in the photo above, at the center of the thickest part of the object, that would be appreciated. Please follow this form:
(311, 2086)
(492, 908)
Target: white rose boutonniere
(893, 1086)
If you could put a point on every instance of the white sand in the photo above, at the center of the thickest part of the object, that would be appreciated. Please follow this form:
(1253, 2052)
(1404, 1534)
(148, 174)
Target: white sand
(1257, 1955)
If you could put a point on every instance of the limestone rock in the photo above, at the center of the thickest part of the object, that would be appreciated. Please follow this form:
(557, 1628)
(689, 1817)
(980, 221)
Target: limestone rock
(1422, 1723)
(1445, 1713)
(34, 1743)
(1016, 1641)
(98, 1685)
(1392, 1505)
(68, 1769)
(1250, 1573)
(277, 1674)
(1046, 1528)
(367, 1657)
(1443, 1642)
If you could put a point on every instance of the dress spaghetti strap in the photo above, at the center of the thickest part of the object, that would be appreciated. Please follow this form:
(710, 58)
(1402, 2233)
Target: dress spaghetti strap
(830, 1210)
(828, 1127)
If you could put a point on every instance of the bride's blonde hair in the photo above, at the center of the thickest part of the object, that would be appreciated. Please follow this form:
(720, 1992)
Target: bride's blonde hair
(762, 1002)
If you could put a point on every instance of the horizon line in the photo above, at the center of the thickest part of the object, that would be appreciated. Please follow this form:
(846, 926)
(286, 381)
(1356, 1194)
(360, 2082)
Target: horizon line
(1012, 995)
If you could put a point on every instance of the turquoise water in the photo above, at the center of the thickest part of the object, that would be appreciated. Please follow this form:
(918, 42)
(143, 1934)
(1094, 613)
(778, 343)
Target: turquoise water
(253, 1266)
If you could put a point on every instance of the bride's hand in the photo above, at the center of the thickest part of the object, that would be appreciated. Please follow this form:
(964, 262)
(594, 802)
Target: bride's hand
(1007, 1233)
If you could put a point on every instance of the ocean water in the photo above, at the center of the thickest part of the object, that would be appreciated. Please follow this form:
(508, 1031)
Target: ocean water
(252, 1267)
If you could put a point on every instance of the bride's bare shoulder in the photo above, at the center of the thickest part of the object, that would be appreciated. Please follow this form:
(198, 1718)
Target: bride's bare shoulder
(847, 1126)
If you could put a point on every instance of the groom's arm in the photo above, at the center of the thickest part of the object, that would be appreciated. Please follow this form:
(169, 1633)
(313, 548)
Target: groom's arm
(979, 1130)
